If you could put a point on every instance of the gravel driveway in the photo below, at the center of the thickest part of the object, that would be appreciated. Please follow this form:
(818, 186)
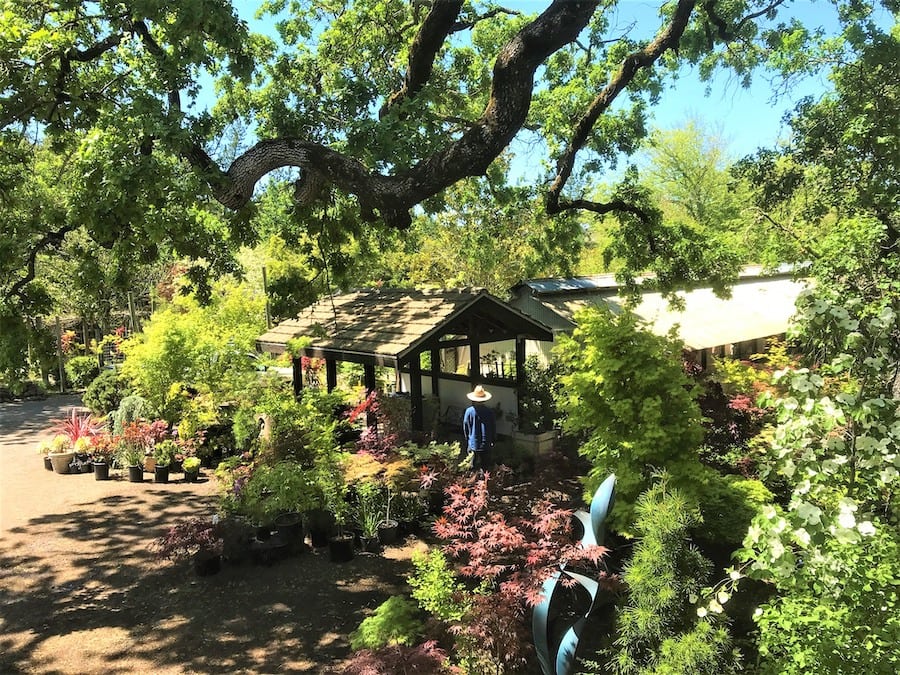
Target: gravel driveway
(80, 593)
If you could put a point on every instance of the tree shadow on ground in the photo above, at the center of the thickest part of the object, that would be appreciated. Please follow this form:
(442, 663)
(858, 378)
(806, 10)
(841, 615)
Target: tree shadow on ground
(22, 421)
(88, 575)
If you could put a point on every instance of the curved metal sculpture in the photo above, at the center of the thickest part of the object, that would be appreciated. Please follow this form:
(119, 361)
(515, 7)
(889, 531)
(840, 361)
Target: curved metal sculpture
(594, 523)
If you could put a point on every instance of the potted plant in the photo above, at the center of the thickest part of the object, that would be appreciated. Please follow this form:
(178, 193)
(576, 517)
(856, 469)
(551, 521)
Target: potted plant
(163, 453)
(369, 498)
(82, 463)
(537, 419)
(191, 468)
(132, 457)
(397, 474)
(44, 450)
(196, 539)
(61, 453)
(410, 508)
(103, 449)
(334, 488)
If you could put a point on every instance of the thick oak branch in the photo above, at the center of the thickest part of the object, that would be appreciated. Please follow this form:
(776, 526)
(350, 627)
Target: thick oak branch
(434, 30)
(392, 196)
(667, 39)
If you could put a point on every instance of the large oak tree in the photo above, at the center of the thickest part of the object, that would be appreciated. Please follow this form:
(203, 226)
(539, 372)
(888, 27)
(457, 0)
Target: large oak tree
(384, 102)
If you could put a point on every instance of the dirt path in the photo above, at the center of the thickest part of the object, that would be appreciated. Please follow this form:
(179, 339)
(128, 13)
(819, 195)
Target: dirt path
(80, 593)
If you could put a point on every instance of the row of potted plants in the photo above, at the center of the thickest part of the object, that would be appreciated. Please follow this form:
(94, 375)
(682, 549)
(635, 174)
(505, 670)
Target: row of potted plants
(84, 445)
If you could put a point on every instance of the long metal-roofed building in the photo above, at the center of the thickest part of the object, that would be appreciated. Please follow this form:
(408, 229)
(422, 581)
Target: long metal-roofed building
(759, 308)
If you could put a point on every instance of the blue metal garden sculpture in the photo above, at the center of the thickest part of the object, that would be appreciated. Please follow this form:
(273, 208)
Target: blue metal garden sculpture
(562, 660)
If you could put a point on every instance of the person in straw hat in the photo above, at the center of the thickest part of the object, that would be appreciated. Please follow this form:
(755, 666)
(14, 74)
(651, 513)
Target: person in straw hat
(479, 428)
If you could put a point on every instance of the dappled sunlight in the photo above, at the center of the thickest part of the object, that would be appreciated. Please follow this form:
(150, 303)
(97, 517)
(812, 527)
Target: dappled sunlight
(81, 592)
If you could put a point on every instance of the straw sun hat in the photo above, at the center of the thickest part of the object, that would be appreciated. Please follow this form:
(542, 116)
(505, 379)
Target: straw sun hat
(480, 394)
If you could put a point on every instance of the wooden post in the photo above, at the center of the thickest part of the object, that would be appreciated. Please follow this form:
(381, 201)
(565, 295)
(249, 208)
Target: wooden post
(370, 384)
(415, 392)
(266, 293)
(435, 372)
(330, 374)
(59, 355)
(134, 324)
(475, 361)
(520, 373)
(297, 375)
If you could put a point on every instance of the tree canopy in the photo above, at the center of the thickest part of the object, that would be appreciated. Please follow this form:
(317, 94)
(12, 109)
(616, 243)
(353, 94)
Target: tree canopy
(377, 106)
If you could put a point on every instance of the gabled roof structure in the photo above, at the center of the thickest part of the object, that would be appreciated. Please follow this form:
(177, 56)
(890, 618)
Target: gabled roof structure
(388, 326)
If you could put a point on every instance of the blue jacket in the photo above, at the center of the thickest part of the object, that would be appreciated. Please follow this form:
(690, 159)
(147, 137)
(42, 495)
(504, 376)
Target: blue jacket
(479, 427)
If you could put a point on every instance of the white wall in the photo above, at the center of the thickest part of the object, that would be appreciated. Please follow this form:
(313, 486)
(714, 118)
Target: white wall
(453, 392)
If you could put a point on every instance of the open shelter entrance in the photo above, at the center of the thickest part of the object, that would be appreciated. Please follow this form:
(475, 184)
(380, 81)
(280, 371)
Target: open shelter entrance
(440, 344)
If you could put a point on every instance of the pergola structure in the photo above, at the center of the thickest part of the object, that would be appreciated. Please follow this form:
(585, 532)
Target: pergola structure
(394, 328)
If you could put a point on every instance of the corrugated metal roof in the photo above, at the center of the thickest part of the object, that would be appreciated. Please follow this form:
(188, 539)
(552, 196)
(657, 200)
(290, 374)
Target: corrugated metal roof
(756, 309)
(607, 282)
(387, 322)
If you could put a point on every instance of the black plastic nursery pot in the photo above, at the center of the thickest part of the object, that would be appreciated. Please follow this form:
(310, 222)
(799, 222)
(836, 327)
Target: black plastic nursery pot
(47, 463)
(388, 532)
(101, 471)
(290, 527)
(161, 474)
(191, 476)
(341, 549)
(369, 544)
(136, 474)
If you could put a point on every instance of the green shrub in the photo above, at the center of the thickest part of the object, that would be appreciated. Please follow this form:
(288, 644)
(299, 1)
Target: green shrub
(728, 504)
(659, 630)
(131, 409)
(105, 393)
(394, 622)
(204, 347)
(436, 588)
(81, 370)
(626, 393)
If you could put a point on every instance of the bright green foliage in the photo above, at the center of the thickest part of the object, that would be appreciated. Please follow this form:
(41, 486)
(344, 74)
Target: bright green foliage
(81, 370)
(489, 236)
(189, 344)
(394, 622)
(846, 621)
(279, 488)
(626, 393)
(436, 587)
(301, 430)
(737, 377)
(658, 630)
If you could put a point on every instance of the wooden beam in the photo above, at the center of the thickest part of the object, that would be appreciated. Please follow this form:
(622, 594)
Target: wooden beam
(520, 373)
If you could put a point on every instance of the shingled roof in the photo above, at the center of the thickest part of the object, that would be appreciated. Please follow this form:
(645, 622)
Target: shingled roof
(392, 324)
